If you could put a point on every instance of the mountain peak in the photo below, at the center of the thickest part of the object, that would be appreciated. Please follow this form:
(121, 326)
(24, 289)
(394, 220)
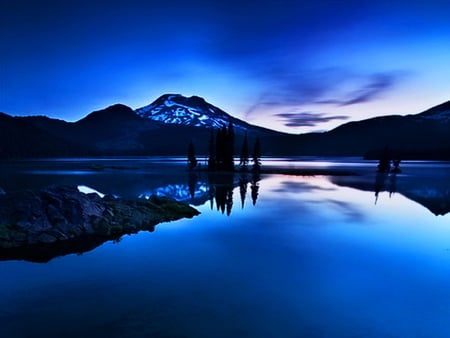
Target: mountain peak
(114, 112)
(189, 111)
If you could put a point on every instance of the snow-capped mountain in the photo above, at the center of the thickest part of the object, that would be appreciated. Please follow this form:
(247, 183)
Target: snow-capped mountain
(188, 111)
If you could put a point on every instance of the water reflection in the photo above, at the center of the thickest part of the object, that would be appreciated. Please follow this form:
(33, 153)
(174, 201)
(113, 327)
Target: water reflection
(430, 188)
(255, 187)
(302, 263)
(380, 183)
(311, 197)
(221, 187)
(243, 183)
(427, 183)
(215, 188)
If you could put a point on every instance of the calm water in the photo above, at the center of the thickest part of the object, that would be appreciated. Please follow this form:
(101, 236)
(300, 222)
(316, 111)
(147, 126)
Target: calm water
(313, 257)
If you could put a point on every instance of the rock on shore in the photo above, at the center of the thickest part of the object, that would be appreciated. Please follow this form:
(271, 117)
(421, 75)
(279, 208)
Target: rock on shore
(62, 213)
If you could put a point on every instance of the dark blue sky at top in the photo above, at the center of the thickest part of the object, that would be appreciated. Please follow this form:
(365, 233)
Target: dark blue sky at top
(291, 65)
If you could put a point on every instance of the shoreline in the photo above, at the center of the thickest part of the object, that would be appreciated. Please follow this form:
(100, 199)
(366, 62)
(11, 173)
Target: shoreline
(72, 221)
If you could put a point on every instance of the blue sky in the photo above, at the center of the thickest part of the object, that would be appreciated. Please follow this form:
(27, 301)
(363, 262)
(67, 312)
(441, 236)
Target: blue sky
(296, 66)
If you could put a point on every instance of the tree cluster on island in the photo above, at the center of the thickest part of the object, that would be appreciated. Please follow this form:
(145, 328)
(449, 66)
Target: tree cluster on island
(221, 152)
(384, 163)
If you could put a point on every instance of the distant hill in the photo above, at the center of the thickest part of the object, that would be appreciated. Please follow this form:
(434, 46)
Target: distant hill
(421, 136)
(166, 126)
(22, 137)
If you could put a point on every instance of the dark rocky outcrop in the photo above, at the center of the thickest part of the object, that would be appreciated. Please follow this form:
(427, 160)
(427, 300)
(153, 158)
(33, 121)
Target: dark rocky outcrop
(63, 215)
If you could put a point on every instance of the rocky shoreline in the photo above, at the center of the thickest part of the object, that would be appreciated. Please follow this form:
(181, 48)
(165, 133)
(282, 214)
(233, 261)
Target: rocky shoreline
(63, 214)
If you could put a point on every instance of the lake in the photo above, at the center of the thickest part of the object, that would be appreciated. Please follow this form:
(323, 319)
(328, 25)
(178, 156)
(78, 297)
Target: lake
(364, 255)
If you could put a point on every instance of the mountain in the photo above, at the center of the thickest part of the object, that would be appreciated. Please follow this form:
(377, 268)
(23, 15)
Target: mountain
(438, 113)
(424, 135)
(195, 112)
(114, 131)
(21, 137)
(189, 111)
(167, 126)
(421, 136)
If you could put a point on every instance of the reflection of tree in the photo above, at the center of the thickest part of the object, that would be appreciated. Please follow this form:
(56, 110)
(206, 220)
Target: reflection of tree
(392, 184)
(221, 186)
(229, 201)
(254, 187)
(192, 182)
(243, 182)
(379, 184)
(211, 190)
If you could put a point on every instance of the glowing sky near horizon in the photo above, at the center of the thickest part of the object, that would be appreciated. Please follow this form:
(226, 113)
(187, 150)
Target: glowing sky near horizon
(295, 66)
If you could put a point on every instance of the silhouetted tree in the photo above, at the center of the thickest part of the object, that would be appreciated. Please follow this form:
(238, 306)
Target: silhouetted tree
(243, 162)
(384, 164)
(192, 161)
(220, 147)
(396, 164)
(256, 157)
(192, 183)
(224, 150)
(212, 152)
(229, 148)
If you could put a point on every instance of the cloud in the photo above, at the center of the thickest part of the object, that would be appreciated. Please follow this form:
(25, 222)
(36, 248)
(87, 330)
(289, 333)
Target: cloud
(307, 119)
(376, 86)
(287, 88)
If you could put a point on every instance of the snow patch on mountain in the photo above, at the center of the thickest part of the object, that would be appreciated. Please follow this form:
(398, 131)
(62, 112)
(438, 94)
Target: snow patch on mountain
(188, 111)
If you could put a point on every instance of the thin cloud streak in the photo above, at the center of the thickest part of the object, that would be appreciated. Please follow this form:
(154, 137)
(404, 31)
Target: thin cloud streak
(377, 86)
(296, 89)
(307, 119)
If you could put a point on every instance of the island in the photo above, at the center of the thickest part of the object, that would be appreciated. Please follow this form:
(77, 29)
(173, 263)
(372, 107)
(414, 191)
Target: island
(38, 225)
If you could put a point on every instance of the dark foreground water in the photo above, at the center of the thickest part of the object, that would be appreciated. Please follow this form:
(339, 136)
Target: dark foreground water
(359, 256)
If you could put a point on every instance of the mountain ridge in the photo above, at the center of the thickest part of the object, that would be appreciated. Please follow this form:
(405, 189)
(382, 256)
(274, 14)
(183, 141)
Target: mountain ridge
(167, 125)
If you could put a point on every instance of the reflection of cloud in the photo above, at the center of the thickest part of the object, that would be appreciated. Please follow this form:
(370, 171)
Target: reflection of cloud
(296, 187)
(307, 119)
(347, 209)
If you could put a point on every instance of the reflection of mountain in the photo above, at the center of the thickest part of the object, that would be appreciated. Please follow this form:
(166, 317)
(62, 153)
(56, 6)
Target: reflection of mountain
(181, 192)
(43, 253)
(432, 193)
(217, 188)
